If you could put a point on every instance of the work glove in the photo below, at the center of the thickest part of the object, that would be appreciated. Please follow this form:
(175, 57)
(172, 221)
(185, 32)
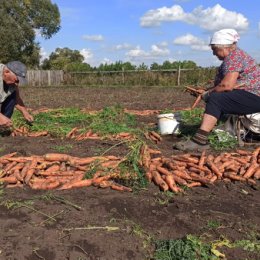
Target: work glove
(205, 95)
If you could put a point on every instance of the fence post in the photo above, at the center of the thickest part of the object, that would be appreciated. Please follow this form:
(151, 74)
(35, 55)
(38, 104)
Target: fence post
(123, 75)
(179, 76)
(49, 77)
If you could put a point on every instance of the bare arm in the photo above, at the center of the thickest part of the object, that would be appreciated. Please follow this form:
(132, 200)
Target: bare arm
(228, 83)
(21, 107)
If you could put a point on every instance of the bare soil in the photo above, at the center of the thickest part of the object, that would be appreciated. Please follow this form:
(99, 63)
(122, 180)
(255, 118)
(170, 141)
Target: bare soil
(102, 224)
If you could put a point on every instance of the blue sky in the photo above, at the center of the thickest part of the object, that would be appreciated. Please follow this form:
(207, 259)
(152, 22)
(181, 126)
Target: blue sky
(147, 31)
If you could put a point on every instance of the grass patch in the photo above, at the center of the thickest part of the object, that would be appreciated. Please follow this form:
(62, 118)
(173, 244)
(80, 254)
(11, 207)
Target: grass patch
(188, 248)
(58, 122)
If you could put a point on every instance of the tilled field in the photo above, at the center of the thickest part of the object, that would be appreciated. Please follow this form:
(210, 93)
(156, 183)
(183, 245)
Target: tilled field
(94, 223)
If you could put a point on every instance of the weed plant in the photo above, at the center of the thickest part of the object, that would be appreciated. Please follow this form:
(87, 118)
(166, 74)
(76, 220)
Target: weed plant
(188, 248)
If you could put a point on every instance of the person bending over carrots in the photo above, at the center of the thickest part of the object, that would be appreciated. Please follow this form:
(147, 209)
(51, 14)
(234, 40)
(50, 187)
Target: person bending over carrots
(12, 75)
(236, 88)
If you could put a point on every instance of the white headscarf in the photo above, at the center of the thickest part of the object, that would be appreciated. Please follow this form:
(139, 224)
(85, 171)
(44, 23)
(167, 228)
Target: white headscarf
(225, 36)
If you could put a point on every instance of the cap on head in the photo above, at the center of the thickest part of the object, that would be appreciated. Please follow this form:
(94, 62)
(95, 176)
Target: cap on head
(19, 69)
(225, 37)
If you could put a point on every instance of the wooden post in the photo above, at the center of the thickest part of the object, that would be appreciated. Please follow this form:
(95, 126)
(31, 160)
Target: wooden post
(123, 76)
(49, 77)
(179, 76)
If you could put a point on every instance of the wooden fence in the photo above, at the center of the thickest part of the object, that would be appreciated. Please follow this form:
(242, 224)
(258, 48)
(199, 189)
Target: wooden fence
(45, 77)
(171, 77)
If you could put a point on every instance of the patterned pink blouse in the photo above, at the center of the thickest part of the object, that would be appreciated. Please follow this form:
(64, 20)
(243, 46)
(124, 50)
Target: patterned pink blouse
(249, 71)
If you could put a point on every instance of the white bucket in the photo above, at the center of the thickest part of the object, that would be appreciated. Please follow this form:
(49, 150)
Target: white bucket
(167, 124)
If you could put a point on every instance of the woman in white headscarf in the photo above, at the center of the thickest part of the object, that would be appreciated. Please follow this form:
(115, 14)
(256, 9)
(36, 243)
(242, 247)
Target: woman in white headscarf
(236, 88)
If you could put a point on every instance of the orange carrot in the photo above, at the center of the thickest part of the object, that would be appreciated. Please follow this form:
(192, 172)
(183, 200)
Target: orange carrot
(96, 181)
(82, 183)
(242, 152)
(172, 184)
(251, 170)
(157, 136)
(53, 168)
(179, 180)
(163, 170)
(202, 159)
(51, 185)
(175, 162)
(25, 169)
(257, 174)
(9, 179)
(105, 184)
(217, 159)
(9, 166)
(198, 178)
(182, 174)
(56, 157)
(213, 179)
(69, 134)
(86, 160)
(233, 176)
(31, 170)
(18, 167)
(159, 181)
(194, 184)
(214, 168)
(115, 186)
(196, 102)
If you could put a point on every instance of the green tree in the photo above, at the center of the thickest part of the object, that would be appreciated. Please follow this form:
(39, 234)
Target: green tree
(64, 59)
(19, 22)
(155, 66)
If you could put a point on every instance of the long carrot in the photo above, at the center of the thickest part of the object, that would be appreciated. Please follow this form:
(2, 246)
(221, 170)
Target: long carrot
(214, 168)
(82, 183)
(118, 187)
(257, 174)
(179, 180)
(251, 170)
(202, 159)
(198, 178)
(163, 170)
(233, 176)
(182, 174)
(172, 184)
(196, 102)
(194, 184)
(31, 170)
(159, 181)
(97, 181)
(56, 157)
(9, 179)
(157, 136)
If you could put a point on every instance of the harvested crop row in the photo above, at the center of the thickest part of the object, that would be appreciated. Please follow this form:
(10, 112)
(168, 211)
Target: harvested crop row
(59, 171)
(192, 170)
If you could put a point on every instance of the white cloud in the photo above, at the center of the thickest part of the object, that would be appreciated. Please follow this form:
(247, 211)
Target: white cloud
(44, 55)
(123, 46)
(158, 51)
(137, 52)
(106, 61)
(193, 41)
(210, 19)
(94, 38)
(155, 52)
(87, 54)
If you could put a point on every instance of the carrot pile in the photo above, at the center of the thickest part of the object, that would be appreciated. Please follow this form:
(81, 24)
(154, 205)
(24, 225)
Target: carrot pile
(24, 131)
(59, 171)
(62, 171)
(200, 170)
(153, 136)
